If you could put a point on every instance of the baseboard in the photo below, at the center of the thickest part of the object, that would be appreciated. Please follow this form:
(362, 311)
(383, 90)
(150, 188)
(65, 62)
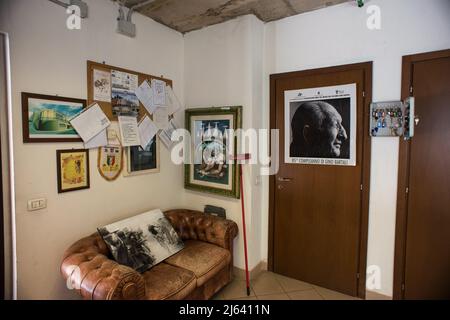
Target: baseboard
(372, 295)
(254, 273)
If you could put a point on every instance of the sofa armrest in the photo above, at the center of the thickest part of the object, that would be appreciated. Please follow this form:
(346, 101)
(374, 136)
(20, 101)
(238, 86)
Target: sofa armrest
(194, 225)
(87, 269)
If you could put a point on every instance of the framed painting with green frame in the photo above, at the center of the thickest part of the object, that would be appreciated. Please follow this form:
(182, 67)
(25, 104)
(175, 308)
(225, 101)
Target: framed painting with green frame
(209, 170)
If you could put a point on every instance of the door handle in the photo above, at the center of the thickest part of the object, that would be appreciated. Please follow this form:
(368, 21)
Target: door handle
(280, 179)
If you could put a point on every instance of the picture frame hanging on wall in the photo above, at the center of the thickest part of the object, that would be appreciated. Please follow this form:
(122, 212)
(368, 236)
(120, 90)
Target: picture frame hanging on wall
(143, 161)
(210, 170)
(47, 118)
(73, 170)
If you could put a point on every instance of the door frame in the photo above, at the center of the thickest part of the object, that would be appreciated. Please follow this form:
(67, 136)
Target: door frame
(366, 67)
(403, 173)
(2, 234)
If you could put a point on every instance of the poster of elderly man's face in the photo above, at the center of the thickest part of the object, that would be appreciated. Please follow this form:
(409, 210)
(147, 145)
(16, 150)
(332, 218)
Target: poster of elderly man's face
(320, 126)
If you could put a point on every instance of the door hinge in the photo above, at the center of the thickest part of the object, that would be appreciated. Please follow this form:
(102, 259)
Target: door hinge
(411, 89)
(361, 187)
(407, 190)
(403, 287)
(364, 94)
(358, 276)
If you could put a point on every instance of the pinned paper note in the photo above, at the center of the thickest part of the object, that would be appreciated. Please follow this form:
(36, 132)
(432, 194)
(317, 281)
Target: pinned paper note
(159, 92)
(145, 95)
(113, 133)
(166, 135)
(99, 140)
(90, 123)
(172, 101)
(147, 131)
(129, 132)
(102, 85)
(161, 118)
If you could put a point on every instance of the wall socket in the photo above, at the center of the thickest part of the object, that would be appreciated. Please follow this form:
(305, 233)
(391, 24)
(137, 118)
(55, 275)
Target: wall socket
(37, 204)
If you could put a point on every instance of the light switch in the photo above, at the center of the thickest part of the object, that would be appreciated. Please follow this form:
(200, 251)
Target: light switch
(37, 204)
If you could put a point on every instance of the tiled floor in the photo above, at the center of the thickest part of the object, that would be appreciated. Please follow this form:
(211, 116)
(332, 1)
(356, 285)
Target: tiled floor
(271, 286)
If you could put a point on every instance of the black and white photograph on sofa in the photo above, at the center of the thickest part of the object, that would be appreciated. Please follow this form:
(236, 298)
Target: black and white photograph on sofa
(143, 241)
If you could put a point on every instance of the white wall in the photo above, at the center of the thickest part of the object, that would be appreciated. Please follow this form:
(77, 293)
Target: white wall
(47, 58)
(338, 35)
(223, 67)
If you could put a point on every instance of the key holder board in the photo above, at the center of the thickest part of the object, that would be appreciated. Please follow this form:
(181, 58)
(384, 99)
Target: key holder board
(393, 119)
(94, 68)
(386, 119)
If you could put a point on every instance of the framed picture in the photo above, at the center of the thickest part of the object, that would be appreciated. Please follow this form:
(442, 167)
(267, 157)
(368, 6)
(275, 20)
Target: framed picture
(47, 118)
(210, 170)
(140, 161)
(73, 170)
(322, 124)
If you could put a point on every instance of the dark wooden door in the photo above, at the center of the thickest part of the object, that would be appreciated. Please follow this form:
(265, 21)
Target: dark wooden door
(319, 214)
(426, 251)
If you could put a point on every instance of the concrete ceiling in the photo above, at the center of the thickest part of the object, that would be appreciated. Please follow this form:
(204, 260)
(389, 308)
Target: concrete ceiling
(189, 15)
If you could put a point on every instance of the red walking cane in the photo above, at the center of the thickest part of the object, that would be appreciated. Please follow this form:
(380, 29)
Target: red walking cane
(242, 158)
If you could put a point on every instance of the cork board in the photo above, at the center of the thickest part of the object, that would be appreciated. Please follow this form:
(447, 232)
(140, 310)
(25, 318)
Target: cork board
(107, 106)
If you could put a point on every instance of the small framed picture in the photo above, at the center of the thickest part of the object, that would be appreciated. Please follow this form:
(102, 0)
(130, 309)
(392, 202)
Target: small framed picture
(73, 170)
(143, 161)
(211, 145)
(47, 118)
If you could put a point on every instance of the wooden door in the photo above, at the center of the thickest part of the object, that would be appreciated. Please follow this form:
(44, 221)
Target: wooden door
(422, 269)
(319, 213)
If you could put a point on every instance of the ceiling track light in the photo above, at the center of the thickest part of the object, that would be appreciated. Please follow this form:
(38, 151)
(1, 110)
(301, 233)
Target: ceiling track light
(125, 25)
(79, 3)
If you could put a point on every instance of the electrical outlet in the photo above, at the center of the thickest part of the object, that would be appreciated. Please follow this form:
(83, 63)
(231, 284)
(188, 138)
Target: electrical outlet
(37, 204)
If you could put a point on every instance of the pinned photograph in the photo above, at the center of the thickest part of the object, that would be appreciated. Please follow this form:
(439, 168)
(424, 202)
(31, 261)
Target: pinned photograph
(124, 100)
(321, 126)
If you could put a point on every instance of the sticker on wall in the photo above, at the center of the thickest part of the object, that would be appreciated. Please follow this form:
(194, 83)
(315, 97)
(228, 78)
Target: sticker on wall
(320, 126)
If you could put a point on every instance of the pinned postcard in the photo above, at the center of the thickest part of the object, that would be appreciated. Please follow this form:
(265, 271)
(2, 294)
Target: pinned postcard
(90, 123)
(124, 99)
(129, 131)
(172, 101)
(147, 131)
(159, 92)
(145, 95)
(161, 118)
(99, 140)
(102, 85)
(166, 135)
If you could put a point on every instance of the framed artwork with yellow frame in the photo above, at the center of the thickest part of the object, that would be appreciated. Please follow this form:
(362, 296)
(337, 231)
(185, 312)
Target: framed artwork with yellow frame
(73, 170)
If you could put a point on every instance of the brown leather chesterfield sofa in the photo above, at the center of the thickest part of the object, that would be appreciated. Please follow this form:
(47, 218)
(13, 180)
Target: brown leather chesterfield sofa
(197, 272)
